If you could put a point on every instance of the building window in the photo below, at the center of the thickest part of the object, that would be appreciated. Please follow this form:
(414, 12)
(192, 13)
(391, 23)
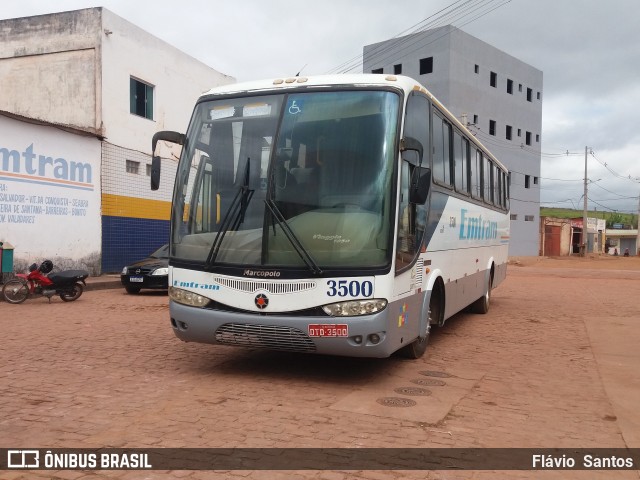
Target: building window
(535, 180)
(148, 169)
(519, 132)
(141, 98)
(426, 65)
(397, 69)
(508, 132)
(528, 218)
(519, 87)
(537, 138)
(510, 86)
(133, 167)
(529, 93)
(527, 181)
(514, 216)
(475, 119)
(538, 95)
(493, 80)
(377, 70)
(527, 138)
(492, 127)
(477, 69)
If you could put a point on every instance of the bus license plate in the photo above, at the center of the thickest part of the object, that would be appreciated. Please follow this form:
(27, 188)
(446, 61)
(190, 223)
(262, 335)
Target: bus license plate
(329, 330)
(136, 279)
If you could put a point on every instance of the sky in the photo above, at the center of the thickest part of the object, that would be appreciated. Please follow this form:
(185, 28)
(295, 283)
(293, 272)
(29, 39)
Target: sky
(588, 51)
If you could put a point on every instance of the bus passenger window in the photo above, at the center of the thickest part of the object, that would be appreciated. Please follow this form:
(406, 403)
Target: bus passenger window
(447, 160)
(488, 187)
(476, 172)
(460, 155)
(441, 151)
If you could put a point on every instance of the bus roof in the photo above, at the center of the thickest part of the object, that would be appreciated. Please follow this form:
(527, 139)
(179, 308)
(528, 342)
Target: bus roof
(399, 82)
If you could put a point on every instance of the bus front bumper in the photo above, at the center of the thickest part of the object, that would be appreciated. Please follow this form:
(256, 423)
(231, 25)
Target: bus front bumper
(367, 335)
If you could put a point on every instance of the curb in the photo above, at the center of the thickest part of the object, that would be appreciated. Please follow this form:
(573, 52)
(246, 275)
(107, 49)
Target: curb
(103, 285)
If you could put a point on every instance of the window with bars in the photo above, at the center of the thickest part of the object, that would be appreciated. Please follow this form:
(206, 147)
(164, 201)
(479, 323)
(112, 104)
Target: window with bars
(133, 167)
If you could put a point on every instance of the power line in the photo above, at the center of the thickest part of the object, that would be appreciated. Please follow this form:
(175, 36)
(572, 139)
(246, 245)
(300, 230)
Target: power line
(613, 172)
(470, 10)
(509, 144)
(450, 14)
(408, 30)
(443, 20)
(614, 193)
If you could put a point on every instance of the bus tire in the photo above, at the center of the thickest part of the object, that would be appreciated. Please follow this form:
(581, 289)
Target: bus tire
(482, 304)
(417, 348)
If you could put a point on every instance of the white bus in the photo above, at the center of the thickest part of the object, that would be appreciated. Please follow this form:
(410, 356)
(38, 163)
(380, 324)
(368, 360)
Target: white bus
(339, 215)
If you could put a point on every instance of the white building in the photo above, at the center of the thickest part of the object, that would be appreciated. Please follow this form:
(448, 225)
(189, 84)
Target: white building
(498, 96)
(88, 88)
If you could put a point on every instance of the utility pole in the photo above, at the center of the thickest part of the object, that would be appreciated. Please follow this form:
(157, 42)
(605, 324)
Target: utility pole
(583, 243)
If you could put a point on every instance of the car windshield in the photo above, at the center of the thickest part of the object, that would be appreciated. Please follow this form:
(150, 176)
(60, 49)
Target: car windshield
(162, 252)
(288, 180)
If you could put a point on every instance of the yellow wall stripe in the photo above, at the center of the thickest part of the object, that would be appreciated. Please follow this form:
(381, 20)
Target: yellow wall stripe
(121, 206)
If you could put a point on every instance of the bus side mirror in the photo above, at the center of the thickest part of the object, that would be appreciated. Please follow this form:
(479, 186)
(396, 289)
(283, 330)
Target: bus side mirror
(420, 182)
(155, 172)
(410, 143)
(168, 136)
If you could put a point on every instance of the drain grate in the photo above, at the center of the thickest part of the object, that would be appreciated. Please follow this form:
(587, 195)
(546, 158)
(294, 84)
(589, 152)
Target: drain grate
(416, 391)
(431, 382)
(433, 373)
(396, 402)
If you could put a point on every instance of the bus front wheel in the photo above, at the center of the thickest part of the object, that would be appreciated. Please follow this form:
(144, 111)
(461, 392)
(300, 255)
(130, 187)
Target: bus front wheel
(417, 348)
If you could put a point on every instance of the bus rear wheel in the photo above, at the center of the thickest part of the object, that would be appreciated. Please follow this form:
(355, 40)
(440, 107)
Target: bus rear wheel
(481, 305)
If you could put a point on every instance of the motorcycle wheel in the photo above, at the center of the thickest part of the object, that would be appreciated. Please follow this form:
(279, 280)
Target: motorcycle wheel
(72, 294)
(15, 291)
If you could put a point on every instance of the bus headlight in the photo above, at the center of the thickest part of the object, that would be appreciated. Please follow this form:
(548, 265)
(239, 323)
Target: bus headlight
(188, 298)
(355, 307)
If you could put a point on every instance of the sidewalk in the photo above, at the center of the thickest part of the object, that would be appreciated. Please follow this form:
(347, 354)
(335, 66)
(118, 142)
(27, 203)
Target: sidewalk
(104, 282)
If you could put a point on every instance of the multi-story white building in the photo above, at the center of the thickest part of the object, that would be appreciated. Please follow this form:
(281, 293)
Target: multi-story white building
(83, 92)
(498, 96)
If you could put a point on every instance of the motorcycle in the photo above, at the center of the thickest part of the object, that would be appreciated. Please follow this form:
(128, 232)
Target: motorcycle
(67, 284)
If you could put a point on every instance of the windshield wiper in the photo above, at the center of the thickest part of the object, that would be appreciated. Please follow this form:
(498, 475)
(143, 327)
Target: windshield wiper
(234, 216)
(293, 239)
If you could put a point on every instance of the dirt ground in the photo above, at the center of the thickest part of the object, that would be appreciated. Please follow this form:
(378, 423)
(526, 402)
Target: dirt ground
(554, 364)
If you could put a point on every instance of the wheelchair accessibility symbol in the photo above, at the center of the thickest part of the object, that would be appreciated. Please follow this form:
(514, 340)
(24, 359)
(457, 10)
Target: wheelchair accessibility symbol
(294, 109)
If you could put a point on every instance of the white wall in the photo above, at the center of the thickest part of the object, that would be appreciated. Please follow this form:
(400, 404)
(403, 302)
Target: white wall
(178, 81)
(49, 192)
(49, 66)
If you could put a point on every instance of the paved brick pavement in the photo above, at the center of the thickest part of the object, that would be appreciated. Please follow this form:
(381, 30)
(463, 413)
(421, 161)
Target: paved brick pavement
(107, 371)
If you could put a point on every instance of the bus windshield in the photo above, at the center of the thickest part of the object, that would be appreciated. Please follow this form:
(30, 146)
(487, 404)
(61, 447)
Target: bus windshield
(288, 180)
